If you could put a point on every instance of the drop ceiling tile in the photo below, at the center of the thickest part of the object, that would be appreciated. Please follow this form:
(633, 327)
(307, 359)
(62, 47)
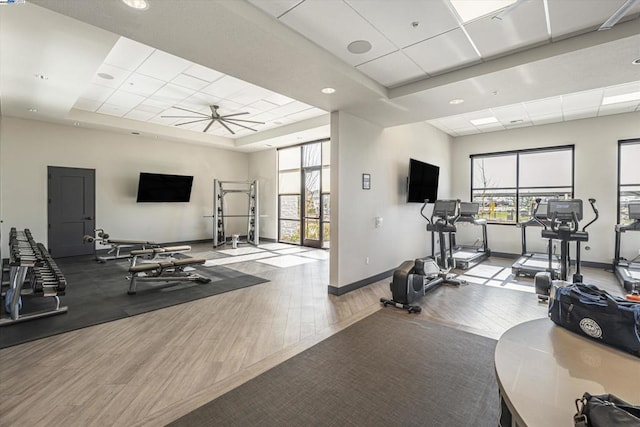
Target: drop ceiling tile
(162, 103)
(311, 19)
(394, 19)
(203, 73)
(190, 82)
(275, 8)
(455, 122)
(492, 127)
(622, 107)
(568, 17)
(224, 87)
(112, 110)
(87, 104)
(582, 113)
(119, 76)
(97, 93)
(446, 51)
(277, 98)
(145, 106)
(163, 66)
(581, 100)
(392, 69)
(141, 85)
(306, 114)
(523, 25)
(623, 89)
(229, 107)
(140, 115)
(125, 99)
(546, 119)
(172, 93)
(290, 108)
(201, 100)
(250, 95)
(128, 54)
(507, 114)
(263, 105)
(544, 107)
(265, 117)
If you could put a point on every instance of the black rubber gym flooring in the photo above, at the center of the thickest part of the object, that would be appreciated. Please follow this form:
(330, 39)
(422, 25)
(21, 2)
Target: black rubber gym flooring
(97, 293)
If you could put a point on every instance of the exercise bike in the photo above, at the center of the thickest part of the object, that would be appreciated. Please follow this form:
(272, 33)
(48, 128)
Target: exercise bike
(564, 222)
(414, 279)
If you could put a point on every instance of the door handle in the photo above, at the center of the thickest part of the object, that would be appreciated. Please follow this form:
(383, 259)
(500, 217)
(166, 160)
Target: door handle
(88, 218)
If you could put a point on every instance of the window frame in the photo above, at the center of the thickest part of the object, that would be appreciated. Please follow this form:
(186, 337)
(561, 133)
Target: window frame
(517, 188)
(621, 143)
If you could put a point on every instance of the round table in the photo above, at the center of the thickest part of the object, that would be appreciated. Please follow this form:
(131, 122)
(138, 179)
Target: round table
(542, 368)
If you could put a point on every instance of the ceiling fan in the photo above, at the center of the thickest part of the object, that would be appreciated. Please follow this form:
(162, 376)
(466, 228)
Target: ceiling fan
(214, 117)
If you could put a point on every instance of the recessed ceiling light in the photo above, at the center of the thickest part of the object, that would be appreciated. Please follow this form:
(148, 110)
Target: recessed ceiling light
(359, 47)
(616, 99)
(328, 90)
(76, 123)
(105, 76)
(137, 4)
(41, 76)
(636, 61)
(484, 121)
(33, 110)
(470, 10)
(456, 101)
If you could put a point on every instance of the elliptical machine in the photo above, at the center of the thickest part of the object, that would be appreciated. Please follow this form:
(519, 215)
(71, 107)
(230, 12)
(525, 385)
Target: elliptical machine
(414, 279)
(564, 222)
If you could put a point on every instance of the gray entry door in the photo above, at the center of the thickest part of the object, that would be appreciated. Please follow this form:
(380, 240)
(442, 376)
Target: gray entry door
(71, 210)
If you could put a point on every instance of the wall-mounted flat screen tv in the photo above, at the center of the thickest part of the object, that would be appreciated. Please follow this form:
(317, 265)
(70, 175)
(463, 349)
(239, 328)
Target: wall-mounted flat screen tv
(155, 187)
(422, 182)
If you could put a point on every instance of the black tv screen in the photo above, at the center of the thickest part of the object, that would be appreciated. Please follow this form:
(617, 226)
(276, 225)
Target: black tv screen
(155, 187)
(423, 182)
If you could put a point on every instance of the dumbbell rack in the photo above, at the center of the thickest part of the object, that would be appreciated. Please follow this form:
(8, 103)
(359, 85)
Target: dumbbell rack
(32, 271)
(222, 188)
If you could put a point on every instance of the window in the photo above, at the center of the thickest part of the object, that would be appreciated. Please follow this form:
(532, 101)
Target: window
(628, 177)
(303, 194)
(507, 184)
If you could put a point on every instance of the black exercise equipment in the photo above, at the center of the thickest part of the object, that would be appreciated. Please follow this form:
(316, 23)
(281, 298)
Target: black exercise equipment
(531, 263)
(465, 257)
(628, 272)
(415, 278)
(564, 217)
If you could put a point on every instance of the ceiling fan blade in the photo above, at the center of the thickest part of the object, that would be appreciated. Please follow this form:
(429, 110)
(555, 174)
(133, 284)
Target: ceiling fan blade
(194, 121)
(226, 127)
(617, 15)
(237, 124)
(234, 114)
(209, 125)
(191, 111)
(241, 120)
(183, 117)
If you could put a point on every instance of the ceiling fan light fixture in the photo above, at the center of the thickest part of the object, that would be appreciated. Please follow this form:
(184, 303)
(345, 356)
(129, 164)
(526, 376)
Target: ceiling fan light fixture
(137, 4)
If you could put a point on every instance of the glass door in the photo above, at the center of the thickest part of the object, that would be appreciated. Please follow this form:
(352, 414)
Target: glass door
(312, 207)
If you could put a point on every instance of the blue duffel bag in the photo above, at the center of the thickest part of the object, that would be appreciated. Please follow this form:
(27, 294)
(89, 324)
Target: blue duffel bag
(596, 314)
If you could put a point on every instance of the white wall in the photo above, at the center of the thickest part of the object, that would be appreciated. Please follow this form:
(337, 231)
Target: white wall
(28, 147)
(596, 151)
(358, 147)
(263, 167)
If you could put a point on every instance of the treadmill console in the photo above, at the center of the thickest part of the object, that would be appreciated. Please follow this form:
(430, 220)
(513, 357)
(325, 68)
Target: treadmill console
(564, 209)
(445, 208)
(634, 210)
(469, 208)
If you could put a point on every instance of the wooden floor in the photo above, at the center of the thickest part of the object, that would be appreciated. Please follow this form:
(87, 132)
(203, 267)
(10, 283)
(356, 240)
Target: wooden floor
(153, 368)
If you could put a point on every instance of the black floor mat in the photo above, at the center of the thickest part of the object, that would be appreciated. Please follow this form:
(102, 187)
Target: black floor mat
(97, 293)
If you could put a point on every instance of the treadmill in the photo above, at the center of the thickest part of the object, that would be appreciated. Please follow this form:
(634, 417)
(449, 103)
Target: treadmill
(467, 256)
(531, 263)
(628, 272)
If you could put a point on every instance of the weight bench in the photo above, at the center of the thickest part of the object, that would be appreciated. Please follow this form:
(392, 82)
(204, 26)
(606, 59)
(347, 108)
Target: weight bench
(116, 244)
(156, 254)
(165, 271)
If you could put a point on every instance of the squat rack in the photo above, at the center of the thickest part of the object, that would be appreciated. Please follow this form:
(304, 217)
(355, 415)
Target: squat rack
(222, 188)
